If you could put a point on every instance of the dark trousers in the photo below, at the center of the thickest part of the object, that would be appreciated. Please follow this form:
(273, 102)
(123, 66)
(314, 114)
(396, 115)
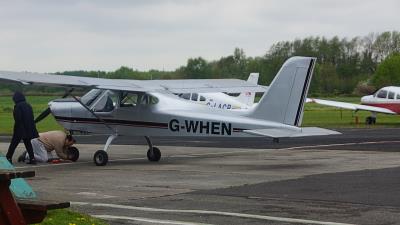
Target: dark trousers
(14, 143)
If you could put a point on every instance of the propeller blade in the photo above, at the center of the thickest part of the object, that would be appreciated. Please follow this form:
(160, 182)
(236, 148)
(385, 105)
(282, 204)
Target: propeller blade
(43, 115)
(47, 112)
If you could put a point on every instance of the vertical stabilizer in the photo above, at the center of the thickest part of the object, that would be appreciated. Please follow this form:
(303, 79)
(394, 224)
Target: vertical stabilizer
(284, 100)
(248, 97)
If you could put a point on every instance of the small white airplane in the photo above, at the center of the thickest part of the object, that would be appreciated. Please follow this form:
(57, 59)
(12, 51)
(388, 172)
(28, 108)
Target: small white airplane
(220, 100)
(386, 100)
(149, 107)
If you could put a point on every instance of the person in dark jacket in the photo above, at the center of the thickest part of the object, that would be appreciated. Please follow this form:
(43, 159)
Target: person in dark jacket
(24, 127)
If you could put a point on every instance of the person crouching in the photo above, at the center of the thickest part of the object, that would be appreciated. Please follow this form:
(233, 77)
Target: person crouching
(47, 142)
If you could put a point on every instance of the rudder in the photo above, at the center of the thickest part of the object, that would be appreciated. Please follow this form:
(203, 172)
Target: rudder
(248, 97)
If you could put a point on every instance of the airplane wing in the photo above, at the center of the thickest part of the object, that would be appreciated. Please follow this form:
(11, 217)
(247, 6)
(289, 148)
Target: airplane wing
(282, 132)
(172, 86)
(351, 106)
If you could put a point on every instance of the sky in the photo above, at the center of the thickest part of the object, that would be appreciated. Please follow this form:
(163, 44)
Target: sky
(51, 36)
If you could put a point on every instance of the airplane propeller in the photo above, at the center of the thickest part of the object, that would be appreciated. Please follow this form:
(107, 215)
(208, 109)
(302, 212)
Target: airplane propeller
(43, 115)
(47, 111)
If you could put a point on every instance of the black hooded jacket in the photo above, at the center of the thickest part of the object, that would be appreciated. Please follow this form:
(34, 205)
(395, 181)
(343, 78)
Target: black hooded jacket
(24, 124)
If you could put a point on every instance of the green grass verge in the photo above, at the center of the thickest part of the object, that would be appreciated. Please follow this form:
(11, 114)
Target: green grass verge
(68, 217)
(314, 115)
(39, 104)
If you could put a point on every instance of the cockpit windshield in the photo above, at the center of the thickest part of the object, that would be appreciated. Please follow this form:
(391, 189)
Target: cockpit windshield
(89, 97)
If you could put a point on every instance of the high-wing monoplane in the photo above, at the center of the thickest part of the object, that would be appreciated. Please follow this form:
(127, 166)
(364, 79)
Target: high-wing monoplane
(150, 108)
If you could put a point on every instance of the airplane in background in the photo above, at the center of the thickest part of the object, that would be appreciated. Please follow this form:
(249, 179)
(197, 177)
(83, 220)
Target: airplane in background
(220, 100)
(386, 100)
(150, 108)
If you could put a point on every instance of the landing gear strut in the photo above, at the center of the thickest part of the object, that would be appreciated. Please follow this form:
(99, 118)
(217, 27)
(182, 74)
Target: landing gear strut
(100, 157)
(153, 154)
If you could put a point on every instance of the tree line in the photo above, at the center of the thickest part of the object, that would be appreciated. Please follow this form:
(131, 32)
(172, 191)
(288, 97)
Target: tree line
(345, 66)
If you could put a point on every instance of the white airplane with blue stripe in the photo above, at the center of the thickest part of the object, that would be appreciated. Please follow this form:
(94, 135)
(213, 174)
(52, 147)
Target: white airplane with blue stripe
(150, 108)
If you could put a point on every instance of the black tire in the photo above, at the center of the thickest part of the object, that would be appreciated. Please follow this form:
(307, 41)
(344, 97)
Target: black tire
(100, 158)
(75, 153)
(155, 155)
(368, 120)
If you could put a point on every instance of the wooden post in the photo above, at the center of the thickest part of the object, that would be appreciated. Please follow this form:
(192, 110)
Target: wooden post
(10, 212)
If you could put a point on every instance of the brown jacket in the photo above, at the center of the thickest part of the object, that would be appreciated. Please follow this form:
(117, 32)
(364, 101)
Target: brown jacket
(55, 140)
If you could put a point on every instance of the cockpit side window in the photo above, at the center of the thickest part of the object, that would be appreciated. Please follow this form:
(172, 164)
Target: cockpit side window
(106, 103)
(398, 96)
(202, 98)
(153, 100)
(391, 95)
(382, 94)
(89, 97)
(147, 99)
(195, 96)
(185, 96)
(129, 99)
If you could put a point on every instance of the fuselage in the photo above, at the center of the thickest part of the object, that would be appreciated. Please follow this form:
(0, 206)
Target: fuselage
(215, 100)
(153, 114)
(387, 97)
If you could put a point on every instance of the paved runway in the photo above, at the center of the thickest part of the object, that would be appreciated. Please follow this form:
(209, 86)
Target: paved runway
(375, 139)
(347, 179)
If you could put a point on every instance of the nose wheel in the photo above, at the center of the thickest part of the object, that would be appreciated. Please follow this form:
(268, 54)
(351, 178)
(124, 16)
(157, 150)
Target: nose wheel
(73, 153)
(100, 158)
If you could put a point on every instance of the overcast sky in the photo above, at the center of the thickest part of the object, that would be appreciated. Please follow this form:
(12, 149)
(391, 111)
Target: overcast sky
(50, 36)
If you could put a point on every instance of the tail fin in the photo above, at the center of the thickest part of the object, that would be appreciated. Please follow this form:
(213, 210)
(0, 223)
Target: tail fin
(248, 97)
(284, 100)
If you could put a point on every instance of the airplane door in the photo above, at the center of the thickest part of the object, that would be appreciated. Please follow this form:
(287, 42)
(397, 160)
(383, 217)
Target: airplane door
(105, 108)
(106, 104)
(128, 108)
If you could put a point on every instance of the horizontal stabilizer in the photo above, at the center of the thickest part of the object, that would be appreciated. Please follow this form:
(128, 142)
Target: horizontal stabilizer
(302, 132)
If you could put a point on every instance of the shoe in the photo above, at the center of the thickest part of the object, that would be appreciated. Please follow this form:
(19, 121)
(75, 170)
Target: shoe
(32, 162)
(22, 157)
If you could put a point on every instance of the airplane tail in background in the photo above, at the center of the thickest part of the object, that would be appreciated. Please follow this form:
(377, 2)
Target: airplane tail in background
(248, 97)
(284, 100)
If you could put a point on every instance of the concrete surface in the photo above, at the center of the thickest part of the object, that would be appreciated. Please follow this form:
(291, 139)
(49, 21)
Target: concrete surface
(336, 182)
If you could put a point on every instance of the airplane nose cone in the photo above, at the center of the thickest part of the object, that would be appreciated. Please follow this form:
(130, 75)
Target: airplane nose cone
(365, 99)
(60, 108)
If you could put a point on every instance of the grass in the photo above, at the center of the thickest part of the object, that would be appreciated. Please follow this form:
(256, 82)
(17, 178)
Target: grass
(314, 115)
(39, 104)
(68, 217)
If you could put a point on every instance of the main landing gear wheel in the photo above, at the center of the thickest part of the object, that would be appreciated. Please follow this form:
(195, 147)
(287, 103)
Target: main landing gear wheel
(74, 153)
(154, 154)
(370, 120)
(100, 158)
